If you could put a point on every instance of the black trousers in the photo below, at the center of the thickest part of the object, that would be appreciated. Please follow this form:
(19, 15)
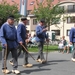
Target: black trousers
(73, 53)
(25, 54)
(40, 50)
(14, 56)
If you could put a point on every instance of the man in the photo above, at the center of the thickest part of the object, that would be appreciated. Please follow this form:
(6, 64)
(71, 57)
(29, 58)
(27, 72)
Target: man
(41, 35)
(72, 41)
(8, 38)
(22, 38)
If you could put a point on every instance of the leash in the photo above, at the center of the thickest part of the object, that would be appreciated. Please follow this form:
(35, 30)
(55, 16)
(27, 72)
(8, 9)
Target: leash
(27, 51)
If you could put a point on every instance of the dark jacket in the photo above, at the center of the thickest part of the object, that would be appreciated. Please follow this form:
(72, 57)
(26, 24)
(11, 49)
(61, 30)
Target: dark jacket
(21, 32)
(8, 35)
(40, 34)
(72, 35)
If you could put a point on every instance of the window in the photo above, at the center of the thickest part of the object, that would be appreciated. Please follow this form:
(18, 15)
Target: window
(34, 21)
(28, 12)
(12, 0)
(41, 1)
(62, 9)
(32, 3)
(71, 8)
(57, 32)
(68, 32)
(71, 19)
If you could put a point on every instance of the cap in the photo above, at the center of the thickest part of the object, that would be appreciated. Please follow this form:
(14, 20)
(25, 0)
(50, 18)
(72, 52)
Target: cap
(23, 18)
(42, 20)
(11, 17)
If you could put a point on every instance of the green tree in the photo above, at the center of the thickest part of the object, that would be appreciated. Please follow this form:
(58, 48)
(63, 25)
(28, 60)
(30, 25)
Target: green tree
(6, 9)
(46, 10)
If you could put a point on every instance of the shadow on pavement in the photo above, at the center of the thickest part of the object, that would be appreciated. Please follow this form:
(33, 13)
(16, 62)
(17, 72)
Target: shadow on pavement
(34, 70)
(59, 61)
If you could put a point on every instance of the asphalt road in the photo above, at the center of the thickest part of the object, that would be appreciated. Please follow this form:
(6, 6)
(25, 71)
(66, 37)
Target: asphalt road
(57, 64)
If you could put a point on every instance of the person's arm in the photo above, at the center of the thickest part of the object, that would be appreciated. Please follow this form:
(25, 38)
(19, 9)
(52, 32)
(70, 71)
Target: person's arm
(38, 30)
(19, 34)
(2, 36)
(71, 36)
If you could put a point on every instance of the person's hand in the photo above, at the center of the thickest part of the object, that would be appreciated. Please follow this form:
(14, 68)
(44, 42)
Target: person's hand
(20, 42)
(45, 29)
(47, 40)
(70, 43)
(27, 40)
(5, 45)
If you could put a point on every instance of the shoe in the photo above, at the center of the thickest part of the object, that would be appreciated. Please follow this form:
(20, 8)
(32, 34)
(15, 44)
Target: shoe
(15, 71)
(27, 65)
(39, 60)
(73, 59)
(6, 71)
(43, 61)
(11, 62)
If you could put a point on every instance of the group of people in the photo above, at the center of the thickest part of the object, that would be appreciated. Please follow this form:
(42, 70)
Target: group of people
(64, 45)
(13, 40)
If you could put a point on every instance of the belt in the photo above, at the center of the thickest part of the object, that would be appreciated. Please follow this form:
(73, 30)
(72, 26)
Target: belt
(11, 39)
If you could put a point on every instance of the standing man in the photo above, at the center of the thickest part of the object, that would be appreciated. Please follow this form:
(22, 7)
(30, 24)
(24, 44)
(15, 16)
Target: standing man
(41, 35)
(72, 41)
(22, 38)
(8, 38)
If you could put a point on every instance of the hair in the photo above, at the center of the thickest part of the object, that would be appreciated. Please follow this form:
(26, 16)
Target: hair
(23, 19)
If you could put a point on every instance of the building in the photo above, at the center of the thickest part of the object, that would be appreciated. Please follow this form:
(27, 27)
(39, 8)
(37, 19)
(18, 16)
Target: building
(64, 26)
(69, 16)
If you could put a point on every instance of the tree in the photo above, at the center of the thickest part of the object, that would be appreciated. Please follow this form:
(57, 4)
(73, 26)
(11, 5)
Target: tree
(6, 10)
(47, 11)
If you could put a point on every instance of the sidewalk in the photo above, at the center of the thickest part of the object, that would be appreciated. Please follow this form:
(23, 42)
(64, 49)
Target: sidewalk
(58, 64)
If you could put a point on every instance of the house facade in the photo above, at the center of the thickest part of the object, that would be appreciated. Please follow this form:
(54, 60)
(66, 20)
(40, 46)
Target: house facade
(67, 19)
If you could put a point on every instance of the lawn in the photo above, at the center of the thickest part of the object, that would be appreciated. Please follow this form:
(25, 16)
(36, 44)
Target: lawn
(50, 48)
(35, 49)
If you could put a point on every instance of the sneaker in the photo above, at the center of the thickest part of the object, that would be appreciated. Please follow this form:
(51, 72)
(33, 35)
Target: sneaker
(27, 65)
(6, 71)
(15, 71)
(11, 62)
(73, 59)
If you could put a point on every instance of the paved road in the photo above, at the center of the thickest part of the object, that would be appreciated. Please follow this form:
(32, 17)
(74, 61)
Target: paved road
(58, 64)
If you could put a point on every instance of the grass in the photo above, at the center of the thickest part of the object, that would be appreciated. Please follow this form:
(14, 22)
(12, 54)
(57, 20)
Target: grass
(50, 48)
(35, 49)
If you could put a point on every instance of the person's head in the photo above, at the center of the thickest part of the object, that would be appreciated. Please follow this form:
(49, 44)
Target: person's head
(42, 22)
(63, 37)
(10, 20)
(24, 20)
(74, 24)
(29, 34)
